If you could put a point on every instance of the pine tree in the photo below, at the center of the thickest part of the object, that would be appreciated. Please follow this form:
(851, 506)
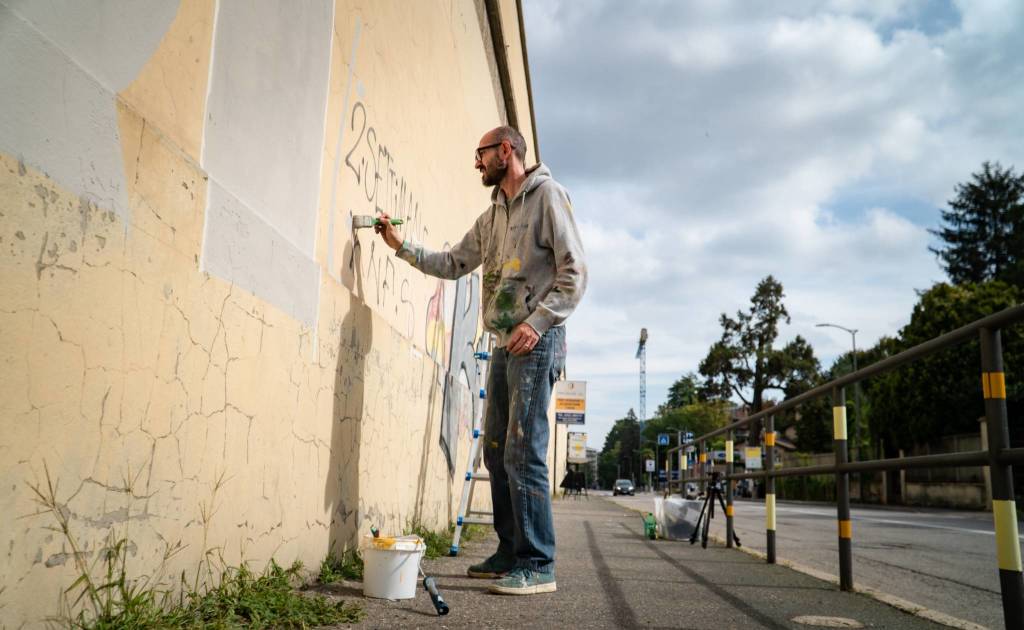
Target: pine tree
(983, 231)
(745, 362)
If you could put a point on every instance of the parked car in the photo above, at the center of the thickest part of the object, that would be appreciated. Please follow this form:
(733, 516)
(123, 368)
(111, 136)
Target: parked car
(623, 486)
(691, 491)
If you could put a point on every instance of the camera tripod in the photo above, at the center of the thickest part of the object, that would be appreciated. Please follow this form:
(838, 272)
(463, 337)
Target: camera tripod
(714, 492)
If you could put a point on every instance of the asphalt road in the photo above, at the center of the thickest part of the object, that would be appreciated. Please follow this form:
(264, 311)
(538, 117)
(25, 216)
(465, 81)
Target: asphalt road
(941, 559)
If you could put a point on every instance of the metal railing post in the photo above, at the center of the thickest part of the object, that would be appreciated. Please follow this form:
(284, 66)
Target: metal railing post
(769, 488)
(1004, 509)
(842, 490)
(703, 469)
(728, 491)
(683, 472)
(668, 474)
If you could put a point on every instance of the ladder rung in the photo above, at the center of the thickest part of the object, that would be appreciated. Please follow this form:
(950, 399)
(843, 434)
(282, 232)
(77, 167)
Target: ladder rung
(484, 512)
(478, 476)
(469, 520)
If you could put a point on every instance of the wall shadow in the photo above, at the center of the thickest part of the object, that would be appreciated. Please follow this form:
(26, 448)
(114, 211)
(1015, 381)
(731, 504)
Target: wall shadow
(429, 431)
(341, 492)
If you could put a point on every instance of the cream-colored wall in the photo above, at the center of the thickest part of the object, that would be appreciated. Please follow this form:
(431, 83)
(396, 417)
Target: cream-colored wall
(176, 403)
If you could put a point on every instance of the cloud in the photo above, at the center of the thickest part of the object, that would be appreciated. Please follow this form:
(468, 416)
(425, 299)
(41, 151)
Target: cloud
(709, 144)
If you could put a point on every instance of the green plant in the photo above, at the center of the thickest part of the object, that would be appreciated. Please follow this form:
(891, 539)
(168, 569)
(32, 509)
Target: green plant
(266, 601)
(439, 542)
(348, 567)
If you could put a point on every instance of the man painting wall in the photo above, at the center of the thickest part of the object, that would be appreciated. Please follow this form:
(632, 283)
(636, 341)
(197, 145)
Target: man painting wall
(534, 275)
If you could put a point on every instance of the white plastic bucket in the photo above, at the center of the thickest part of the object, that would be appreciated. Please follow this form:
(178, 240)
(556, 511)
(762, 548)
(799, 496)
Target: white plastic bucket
(391, 566)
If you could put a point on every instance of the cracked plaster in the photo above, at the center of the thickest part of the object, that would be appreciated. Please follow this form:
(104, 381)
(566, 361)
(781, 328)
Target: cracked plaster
(182, 411)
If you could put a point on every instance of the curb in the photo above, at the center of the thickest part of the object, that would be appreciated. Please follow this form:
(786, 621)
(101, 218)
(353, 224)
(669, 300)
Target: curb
(898, 603)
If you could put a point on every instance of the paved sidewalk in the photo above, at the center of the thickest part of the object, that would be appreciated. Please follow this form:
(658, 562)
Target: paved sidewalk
(610, 576)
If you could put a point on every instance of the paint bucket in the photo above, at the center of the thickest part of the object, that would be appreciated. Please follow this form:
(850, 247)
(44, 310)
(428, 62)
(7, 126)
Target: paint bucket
(391, 566)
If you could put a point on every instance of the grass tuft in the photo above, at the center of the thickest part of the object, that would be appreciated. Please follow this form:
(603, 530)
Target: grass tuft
(266, 601)
(348, 567)
(440, 542)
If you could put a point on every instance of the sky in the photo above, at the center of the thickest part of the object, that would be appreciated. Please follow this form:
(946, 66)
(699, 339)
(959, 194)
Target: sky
(708, 143)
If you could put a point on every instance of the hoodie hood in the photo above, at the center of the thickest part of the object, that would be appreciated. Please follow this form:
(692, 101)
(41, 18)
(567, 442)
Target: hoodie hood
(535, 176)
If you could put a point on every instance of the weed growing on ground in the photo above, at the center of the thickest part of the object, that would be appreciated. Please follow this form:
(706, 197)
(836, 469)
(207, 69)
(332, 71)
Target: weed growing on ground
(440, 542)
(106, 598)
(266, 601)
(348, 567)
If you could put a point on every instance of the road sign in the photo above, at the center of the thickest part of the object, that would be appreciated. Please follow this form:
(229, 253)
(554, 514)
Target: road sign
(663, 439)
(570, 402)
(577, 448)
(687, 437)
(752, 457)
(649, 465)
(661, 475)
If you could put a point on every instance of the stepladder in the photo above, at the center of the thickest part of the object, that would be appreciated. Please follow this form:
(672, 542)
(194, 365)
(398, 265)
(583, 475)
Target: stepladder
(474, 470)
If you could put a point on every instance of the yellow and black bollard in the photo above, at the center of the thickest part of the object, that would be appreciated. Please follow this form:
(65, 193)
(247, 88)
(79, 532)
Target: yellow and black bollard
(769, 488)
(728, 491)
(1004, 510)
(842, 490)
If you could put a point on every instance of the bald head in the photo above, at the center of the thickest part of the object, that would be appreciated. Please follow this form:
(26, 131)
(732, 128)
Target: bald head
(514, 138)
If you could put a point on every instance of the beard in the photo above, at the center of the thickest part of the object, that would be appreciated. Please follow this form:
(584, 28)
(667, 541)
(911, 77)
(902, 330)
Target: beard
(494, 173)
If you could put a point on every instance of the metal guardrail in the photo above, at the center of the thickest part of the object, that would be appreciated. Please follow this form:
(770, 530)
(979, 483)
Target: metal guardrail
(999, 457)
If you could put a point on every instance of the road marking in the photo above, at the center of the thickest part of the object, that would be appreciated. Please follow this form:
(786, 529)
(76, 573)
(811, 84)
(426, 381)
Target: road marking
(887, 521)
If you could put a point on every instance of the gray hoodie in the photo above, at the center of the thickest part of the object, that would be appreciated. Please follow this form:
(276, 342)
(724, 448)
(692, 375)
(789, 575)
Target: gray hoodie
(531, 253)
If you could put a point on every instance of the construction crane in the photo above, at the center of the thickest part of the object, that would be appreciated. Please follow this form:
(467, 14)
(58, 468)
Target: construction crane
(641, 354)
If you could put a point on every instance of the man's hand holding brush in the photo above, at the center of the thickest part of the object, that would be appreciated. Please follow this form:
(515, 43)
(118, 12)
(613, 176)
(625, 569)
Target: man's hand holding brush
(388, 232)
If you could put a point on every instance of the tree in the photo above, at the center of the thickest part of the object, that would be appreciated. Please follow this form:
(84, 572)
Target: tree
(983, 234)
(681, 393)
(744, 362)
(619, 457)
(941, 394)
(699, 417)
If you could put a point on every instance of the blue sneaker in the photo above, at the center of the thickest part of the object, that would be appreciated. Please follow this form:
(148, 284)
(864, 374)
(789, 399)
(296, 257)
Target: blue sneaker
(523, 581)
(493, 567)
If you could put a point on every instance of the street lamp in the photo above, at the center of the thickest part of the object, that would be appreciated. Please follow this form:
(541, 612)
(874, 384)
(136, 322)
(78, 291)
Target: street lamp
(856, 389)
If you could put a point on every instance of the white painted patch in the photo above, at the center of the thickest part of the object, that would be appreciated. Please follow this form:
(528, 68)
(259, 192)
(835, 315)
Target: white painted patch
(254, 256)
(262, 148)
(109, 39)
(63, 64)
(265, 112)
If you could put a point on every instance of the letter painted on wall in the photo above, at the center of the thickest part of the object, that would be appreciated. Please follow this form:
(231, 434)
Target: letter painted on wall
(374, 170)
(461, 384)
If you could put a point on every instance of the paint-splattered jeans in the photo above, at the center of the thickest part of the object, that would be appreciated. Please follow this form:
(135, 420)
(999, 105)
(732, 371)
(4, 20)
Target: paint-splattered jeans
(516, 450)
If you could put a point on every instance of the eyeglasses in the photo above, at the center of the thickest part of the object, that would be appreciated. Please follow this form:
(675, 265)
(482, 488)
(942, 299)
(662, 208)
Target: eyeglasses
(479, 150)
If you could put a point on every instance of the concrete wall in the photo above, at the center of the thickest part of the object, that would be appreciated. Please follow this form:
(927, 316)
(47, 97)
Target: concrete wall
(943, 494)
(194, 345)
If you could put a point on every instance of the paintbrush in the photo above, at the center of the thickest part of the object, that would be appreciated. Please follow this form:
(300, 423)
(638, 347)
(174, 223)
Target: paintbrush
(365, 221)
